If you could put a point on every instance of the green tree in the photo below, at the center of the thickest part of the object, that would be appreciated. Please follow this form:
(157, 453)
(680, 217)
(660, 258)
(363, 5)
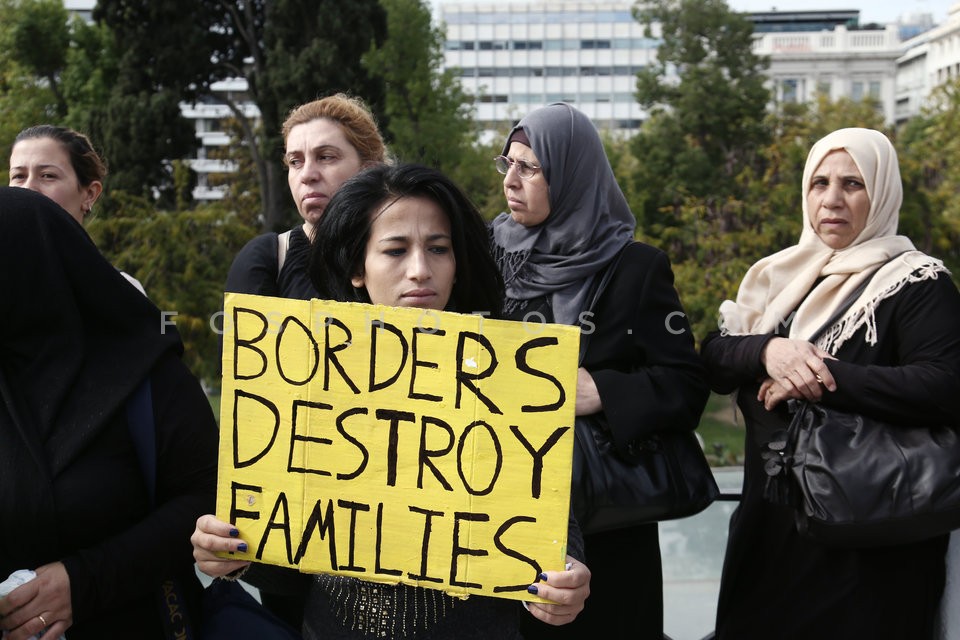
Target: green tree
(707, 120)
(28, 70)
(38, 39)
(429, 114)
(240, 183)
(54, 70)
(181, 257)
(718, 241)
(162, 57)
(930, 215)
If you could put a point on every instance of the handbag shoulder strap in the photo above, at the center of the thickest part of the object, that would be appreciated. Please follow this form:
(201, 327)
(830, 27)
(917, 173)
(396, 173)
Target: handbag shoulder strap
(599, 287)
(843, 308)
(283, 243)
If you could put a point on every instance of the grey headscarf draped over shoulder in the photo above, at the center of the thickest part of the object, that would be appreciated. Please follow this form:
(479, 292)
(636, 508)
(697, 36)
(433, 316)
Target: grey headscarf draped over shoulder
(589, 221)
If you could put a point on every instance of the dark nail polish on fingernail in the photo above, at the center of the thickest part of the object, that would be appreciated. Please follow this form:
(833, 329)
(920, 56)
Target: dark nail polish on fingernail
(532, 589)
(234, 533)
(242, 547)
(543, 577)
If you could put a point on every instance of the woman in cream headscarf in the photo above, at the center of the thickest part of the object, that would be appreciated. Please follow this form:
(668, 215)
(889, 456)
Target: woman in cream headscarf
(895, 354)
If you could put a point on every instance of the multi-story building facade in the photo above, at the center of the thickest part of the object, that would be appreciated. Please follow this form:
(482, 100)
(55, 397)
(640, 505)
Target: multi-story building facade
(516, 56)
(208, 117)
(81, 8)
(838, 62)
(927, 60)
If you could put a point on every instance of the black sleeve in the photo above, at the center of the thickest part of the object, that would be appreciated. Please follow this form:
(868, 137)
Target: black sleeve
(254, 269)
(642, 355)
(134, 562)
(733, 361)
(922, 382)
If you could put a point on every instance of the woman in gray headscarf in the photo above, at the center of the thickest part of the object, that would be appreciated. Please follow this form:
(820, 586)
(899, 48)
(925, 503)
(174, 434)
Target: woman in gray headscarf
(568, 221)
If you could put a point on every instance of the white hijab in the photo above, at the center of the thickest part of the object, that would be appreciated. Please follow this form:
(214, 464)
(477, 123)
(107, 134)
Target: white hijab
(773, 288)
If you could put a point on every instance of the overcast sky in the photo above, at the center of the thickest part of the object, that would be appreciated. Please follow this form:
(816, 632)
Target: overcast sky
(870, 10)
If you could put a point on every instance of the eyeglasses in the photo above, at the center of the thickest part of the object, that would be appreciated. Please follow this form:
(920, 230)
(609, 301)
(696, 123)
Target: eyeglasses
(525, 170)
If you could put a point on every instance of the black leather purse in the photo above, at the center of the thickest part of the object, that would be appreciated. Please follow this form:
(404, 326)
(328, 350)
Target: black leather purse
(661, 477)
(857, 481)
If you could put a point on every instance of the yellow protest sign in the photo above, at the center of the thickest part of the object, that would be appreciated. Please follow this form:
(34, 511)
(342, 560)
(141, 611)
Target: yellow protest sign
(397, 445)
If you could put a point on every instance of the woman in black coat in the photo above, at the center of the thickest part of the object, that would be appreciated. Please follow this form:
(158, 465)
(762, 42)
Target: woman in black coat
(568, 222)
(894, 355)
(102, 527)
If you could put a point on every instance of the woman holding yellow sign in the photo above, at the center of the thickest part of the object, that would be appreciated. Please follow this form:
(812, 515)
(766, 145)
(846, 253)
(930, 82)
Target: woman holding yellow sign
(406, 236)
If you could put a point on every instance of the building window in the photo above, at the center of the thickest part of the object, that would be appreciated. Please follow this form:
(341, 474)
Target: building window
(823, 88)
(788, 90)
(874, 90)
(856, 91)
(595, 44)
(528, 45)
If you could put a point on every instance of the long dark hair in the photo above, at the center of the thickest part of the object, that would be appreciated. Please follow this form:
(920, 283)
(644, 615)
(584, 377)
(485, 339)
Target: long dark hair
(340, 241)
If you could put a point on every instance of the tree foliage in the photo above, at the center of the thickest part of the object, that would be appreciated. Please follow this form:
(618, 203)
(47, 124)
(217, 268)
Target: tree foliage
(34, 38)
(930, 215)
(159, 52)
(46, 22)
(427, 109)
(429, 114)
(717, 182)
(181, 257)
(707, 120)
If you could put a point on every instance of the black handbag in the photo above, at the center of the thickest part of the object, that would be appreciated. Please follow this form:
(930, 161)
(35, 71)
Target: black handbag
(857, 481)
(860, 482)
(661, 477)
